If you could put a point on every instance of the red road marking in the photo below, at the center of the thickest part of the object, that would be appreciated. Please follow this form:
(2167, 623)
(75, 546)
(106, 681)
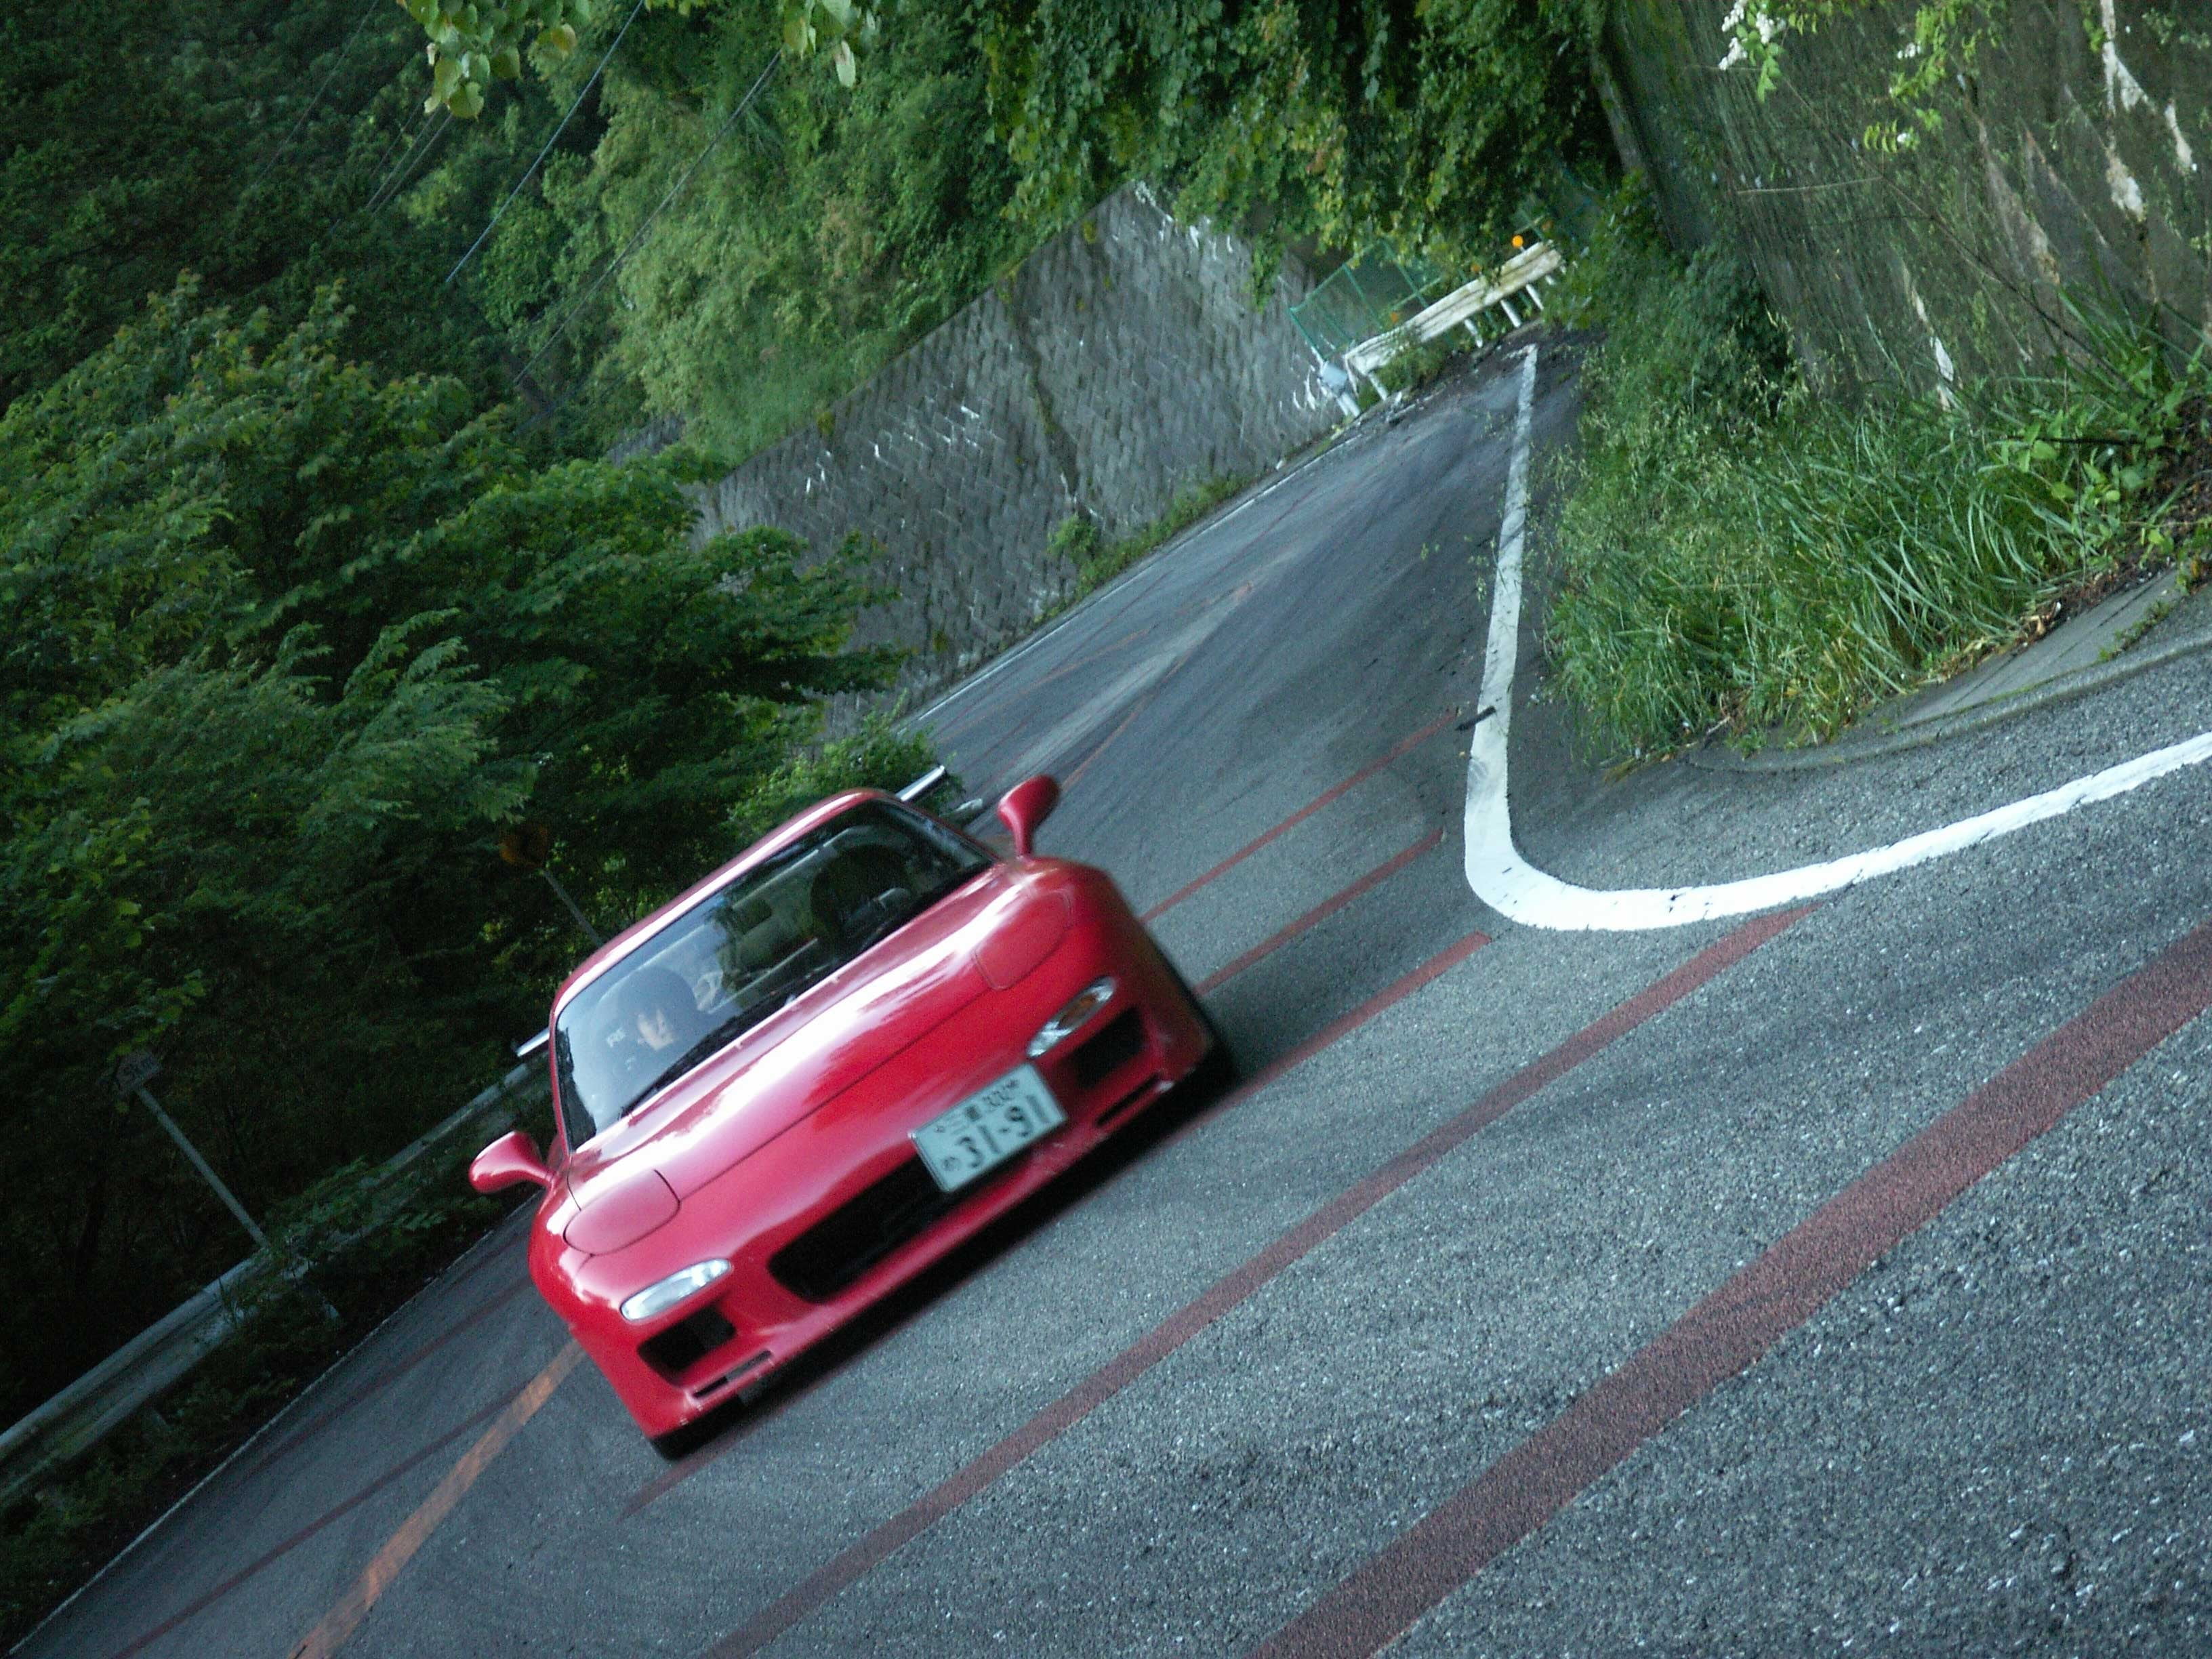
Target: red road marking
(1733, 1327)
(385, 1379)
(1085, 661)
(1313, 1045)
(1322, 912)
(341, 1621)
(1143, 701)
(1300, 816)
(1344, 1025)
(312, 1528)
(862, 1558)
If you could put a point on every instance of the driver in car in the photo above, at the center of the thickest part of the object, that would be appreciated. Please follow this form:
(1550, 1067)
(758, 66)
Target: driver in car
(660, 1011)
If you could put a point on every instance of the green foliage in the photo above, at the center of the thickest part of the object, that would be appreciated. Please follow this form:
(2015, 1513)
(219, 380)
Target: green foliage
(243, 141)
(1943, 44)
(1098, 561)
(470, 46)
(1414, 365)
(285, 644)
(1738, 554)
(878, 756)
(1428, 125)
(1075, 539)
(51, 1540)
(830, 229)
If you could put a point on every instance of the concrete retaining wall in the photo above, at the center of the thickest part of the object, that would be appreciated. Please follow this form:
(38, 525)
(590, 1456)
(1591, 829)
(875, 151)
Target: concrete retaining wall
(2061, 162)
(1125, 358)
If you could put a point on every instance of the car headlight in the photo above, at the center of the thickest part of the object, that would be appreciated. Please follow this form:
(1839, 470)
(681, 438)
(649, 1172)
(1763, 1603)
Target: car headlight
(1069, 1020)
(658, 1297)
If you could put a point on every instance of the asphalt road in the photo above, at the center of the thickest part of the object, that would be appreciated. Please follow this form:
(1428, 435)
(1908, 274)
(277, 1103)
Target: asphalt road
(1831, 1282)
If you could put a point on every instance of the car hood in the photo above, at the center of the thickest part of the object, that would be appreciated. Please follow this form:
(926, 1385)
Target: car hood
(806, 1055)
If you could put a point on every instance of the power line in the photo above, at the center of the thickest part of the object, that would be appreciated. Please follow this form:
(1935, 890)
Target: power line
(638, 235)
(409, 161)
(344, 52)
(390, 144)
(530, 171)
(413, 137)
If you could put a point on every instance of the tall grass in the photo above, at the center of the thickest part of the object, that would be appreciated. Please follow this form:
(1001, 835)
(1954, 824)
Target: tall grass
(1738, 552)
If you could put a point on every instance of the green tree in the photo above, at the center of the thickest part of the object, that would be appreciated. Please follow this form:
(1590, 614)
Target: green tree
(284, 643)
(1432, 123)
(472, 46)
(827, 230)
(268, 147)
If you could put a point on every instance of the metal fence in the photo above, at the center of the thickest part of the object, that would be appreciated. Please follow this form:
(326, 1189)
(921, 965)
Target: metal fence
(1365, 297)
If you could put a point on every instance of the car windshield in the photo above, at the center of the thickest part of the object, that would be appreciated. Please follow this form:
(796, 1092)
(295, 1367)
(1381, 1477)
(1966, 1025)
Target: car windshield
(734, 958)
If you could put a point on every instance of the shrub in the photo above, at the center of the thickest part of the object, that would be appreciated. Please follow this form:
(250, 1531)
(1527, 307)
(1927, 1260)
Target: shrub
(1739, 552)
(878, 756)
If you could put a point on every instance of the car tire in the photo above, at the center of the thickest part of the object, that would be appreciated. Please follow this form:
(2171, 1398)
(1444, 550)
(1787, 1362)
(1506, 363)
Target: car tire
(679, 1443)
(1217, 1072)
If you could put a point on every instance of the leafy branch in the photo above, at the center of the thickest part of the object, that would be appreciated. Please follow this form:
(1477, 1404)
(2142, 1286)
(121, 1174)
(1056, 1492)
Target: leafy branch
(1945, 39)
(471, 45)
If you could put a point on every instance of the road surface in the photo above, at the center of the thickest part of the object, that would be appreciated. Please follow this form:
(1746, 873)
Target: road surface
(1837, 1278)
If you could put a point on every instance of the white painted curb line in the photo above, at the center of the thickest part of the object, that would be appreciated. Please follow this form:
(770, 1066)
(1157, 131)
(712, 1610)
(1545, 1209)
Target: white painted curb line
(1515, 889)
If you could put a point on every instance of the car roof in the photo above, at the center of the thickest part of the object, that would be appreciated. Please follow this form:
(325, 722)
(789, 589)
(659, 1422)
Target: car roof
(616, 949)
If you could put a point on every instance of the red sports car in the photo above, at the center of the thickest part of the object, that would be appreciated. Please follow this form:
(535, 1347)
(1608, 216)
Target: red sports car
(790, 1089)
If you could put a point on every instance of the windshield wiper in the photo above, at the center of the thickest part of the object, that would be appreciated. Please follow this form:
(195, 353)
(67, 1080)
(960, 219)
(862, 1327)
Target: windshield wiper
(753, 1013)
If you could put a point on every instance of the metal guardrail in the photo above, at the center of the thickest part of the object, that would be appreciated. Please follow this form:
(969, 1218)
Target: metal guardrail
(85, 1413)
(1460, 309)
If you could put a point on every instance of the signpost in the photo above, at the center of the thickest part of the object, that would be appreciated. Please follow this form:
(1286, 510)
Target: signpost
(527, 846)
(132, 1076)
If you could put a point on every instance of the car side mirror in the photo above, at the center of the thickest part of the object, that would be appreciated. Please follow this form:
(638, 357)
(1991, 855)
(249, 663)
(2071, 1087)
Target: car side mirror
(510, 1159)
(1026, 805)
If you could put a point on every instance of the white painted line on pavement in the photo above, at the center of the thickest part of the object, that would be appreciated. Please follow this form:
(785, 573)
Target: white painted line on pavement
(1011, 658)
(1509, 885)
(1153, 564)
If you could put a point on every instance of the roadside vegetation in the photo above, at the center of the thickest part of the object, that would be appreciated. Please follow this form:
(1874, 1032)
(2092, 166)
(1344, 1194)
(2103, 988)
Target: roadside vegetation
(1097, 561)
(292, 1329)
(290, 645)
(316, 590)
(1741, 554)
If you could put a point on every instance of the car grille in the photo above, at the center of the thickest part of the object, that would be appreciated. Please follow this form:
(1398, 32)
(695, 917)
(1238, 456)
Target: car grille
(861, 1233)
(1115, 1046)
(685, 1343)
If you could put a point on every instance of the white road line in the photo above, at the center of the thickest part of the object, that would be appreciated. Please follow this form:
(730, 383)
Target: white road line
(1153, 564)
(1011, 658)
(1509, 885)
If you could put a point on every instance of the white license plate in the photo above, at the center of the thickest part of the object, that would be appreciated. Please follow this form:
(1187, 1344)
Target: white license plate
(988, 1127)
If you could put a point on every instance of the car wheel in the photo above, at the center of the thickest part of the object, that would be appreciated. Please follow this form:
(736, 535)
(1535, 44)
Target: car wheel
(679, 1443)
(1219, 1070)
